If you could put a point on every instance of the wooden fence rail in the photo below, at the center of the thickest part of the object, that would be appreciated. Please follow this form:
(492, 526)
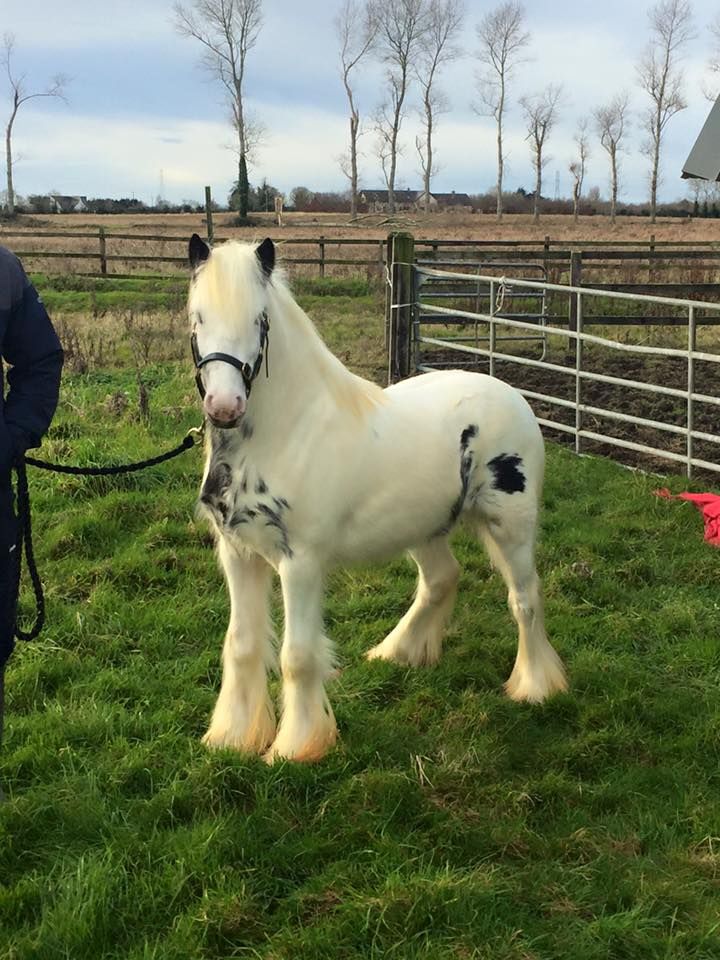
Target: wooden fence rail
(104, 251)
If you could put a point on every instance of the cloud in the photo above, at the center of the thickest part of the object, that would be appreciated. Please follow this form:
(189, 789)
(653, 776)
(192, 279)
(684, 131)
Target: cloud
(139, 104)
(122, 157)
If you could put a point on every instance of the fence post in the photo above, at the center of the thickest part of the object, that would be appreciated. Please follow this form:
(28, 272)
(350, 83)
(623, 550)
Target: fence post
(103, 255)
(577, 300)
(575, 281)
(208, 215)
(692, 346)
(651, 260)
(401, 254)
(321, 244)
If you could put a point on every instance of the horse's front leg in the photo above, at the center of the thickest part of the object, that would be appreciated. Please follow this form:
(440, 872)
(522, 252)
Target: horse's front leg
(244, 717)
(307, 728)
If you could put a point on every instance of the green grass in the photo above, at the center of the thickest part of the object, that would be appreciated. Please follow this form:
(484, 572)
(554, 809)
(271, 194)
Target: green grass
(448, 823)
(75, 293)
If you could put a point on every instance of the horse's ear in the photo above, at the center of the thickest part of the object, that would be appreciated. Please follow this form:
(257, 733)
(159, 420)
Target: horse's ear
(198, 251)
(266, 255)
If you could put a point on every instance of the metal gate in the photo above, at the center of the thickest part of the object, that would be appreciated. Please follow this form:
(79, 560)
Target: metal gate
(509, 321)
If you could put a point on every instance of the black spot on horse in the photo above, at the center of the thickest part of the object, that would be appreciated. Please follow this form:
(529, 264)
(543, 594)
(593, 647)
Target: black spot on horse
(260, 486)
(242, 516)
(467, 435)
(508, 475)
(219, 439)
(216, 483)
(466, 462)
(246, 430)
(274, 519)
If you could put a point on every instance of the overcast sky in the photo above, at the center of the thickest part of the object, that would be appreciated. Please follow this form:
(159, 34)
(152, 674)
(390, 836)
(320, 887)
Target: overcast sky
(142, 117)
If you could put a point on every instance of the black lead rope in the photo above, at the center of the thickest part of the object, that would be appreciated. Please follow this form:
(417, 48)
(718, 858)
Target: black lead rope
(24, 542)
(24, 539)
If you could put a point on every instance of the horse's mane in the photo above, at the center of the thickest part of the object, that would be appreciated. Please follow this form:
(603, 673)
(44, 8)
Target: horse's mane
(233, 279)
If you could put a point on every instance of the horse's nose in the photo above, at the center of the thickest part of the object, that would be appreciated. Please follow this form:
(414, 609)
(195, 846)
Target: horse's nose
(224, 409)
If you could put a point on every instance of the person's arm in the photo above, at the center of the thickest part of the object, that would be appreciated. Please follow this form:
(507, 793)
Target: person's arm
(33, 350)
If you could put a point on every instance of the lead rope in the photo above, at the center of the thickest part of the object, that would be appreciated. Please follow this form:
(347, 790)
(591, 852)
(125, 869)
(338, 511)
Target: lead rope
(24, 540)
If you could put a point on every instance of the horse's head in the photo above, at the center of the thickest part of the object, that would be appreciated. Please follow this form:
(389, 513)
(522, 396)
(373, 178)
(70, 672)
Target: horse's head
(227, 309)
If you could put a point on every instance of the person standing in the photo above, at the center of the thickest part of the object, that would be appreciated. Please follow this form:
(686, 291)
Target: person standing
(32, 351)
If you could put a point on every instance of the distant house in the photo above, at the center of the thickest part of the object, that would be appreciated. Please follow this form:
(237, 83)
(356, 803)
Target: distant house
(60, 204)
(452, 202)
(376, 201)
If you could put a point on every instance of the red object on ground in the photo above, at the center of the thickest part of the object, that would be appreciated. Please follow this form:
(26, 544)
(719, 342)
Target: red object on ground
(708, 504)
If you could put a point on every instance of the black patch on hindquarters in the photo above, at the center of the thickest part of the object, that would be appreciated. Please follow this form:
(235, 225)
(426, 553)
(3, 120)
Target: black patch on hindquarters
(274, 519)
(508, 476)
(468, 434)
(466, 462)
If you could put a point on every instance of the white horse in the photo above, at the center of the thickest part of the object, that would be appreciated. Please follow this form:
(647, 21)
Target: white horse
(309, 466)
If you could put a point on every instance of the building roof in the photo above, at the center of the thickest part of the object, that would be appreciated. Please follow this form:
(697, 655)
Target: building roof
(704, 159)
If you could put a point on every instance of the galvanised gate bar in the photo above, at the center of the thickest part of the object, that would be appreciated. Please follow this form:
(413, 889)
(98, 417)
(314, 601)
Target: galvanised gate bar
(414, 312)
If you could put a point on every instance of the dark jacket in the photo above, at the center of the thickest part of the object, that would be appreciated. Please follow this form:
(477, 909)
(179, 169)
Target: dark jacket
(30, 345)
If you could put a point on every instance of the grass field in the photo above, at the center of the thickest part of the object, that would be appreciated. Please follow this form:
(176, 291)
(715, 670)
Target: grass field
(449, 822)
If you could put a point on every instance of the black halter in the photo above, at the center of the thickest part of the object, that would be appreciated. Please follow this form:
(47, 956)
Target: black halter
(247, 372)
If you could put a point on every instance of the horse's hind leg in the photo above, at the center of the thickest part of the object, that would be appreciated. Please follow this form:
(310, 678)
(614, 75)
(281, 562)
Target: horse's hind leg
(538, 670)
(244, 717)
(417, 639)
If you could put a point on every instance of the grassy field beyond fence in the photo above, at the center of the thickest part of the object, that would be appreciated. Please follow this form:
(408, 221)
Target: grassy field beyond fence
(449, 824)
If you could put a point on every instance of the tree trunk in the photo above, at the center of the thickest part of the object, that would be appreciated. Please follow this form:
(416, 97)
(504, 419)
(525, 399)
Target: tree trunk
(391, 178)
(538, 188)
(613, 187)
(654, 182)
(499, 187)
(10, 202)
(243, 186)
(354, 124)
(428, 158)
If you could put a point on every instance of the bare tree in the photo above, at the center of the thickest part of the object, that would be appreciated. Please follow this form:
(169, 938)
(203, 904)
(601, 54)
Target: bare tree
(578, 165)
(401, 25)
(713, 91)
(502, 37)
(18, 96)
(228, 30)
(611, 122)
(356, 27)
(661, 77)
(540, 111)
(698, 192)
(437, 47)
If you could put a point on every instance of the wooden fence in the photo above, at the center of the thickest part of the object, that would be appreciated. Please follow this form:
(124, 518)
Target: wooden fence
(655, 266)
